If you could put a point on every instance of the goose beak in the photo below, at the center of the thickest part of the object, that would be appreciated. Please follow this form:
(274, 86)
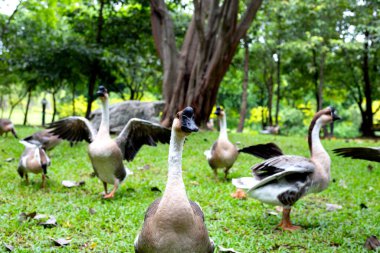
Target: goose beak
(102, 91)
(217, 111)
(14, 133)
(335, 116)
(187, 121)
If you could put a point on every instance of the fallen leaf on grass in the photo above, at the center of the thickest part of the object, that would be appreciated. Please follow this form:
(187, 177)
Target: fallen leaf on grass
(155, 189)
(363, 206)
(10, 159)
(91, 211)
(89, 245)
(70, 184)
(239, 194)
(9, 247)
(40, 217)
(60, 242)
(51, 222)
(333, 207)
(145, 167)
(272, 213)
(372, 243)
(370, 167)
(279, 209)
(342, 183)
(24, 216)
(227, 250)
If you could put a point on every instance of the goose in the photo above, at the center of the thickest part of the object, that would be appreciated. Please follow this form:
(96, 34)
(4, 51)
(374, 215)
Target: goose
(223, 153)
(7, 126)
(106, 154)
(174, 223)
(34, 159)
(45, 139)
(284, 179)
(364, 153)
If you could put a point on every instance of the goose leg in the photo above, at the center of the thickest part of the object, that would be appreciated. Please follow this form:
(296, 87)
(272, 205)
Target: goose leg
(26, 178)
(215, 173)
(112, 193)
(286, 224)
(226, 170)
(105, 189)
(43, 180)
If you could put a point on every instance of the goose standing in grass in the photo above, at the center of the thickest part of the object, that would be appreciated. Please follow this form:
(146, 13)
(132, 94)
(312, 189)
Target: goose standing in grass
(45, 139)
(106, 154)
(34, 159)
(7, 126)
(223, 153)
(364, 153)
(174, 223)
(282, 180)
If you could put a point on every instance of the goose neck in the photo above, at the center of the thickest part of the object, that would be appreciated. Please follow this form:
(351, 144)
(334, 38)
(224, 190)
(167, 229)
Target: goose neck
(317, 151)
(105, 122)
(223, 127)
(175, 156)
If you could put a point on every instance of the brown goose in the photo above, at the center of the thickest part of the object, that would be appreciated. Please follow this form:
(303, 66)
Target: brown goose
(364, 153)
(105, 153)
(174, 223)
(282, 180)
(44, 138)
(223, 153)
(7, 126)
(33, 159)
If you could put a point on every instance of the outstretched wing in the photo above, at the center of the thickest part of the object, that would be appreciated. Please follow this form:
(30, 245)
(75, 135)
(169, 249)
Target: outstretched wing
(140, 132)
(73, 129)
(370, 154)
(264, 151)
(280, 167)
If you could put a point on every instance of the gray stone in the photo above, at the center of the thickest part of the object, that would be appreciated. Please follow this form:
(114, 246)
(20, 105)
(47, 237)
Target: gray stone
(121, 113)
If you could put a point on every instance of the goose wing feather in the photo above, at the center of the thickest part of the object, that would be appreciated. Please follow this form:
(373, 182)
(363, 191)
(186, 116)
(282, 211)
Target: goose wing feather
(73, 129)
(365, 153)
(280, 167)
(263, 151)
(140, 132)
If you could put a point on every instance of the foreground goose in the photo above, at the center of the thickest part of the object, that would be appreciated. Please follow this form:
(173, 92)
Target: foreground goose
(174, 223)
(33, 159)
(282, 180)
(364, 153)
(223, 153)
(7, 126)
(106, 154)
(44, 138)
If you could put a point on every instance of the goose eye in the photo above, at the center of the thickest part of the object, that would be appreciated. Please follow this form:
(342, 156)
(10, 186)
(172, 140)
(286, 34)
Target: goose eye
(177, 115)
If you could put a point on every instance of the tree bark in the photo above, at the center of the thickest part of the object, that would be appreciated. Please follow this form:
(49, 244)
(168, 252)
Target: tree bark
(192, 77)
(278, 91)
(95, 64)
(270, 98)
(244, 95)
(367, 123)
(54, 106)
(27, 105)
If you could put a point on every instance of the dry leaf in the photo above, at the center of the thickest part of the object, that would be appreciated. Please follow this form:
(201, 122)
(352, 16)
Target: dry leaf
(333, 207)
(91, 211)
(69, 184)
(272, 213)
(9, 247)
(24, 216)
(239, 194)
(10, 159)
(51, 222)
(227, 250)
(40, 217)
(342, 183)
(372, 243)
(61, 242)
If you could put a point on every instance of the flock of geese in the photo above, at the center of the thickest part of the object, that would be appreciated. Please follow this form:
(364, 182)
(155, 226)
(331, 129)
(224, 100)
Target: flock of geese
(174, 223)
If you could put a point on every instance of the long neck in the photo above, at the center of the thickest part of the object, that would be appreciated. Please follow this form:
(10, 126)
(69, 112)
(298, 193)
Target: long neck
(104, 128)
(223, 127)
(175, 157)
(317, 152)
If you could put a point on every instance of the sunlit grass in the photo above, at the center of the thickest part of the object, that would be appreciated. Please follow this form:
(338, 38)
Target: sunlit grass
(244, 225)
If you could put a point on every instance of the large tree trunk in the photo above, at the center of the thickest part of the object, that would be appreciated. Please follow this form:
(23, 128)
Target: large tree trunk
(27, 105)
(192, 77)
(95, 64)
(367, 123)
(244, 95)
(54, 106)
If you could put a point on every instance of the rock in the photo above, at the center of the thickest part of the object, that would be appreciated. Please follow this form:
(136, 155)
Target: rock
(121, 113)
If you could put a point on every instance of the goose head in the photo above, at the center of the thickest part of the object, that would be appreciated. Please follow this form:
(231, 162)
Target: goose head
(219, 112)
(327, 115)
(184, 123)
(102, 93)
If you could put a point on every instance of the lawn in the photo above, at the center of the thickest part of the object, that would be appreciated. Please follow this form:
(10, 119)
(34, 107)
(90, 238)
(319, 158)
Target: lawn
(94, 224)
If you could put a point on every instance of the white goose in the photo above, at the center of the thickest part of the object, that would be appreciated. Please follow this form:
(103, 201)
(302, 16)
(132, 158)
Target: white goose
(105, 153)
(174, 223)
(282, 180)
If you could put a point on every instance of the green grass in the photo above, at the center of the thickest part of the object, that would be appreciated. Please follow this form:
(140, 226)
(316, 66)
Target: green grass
(244, 225)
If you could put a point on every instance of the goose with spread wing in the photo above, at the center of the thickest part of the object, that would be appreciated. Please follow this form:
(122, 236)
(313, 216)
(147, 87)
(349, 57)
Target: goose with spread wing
(283, 180)
(44, 138)
(106, 154)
